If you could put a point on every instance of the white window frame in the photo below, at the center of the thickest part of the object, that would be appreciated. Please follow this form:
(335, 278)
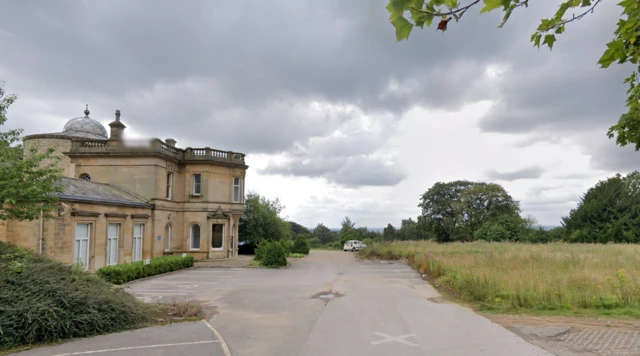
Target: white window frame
(238, 188)
(168, 230)
(112, 244)
(169, 194)
(221, 248)
(136, 253)
(198, 184)
(191, 237)
(78, 243)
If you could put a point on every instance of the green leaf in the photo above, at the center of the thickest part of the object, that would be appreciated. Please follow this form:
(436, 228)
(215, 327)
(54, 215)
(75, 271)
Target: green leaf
(428, 20)
(396, 8)
(549, 40)
(490, 5)
(403, 28)
(452, 4)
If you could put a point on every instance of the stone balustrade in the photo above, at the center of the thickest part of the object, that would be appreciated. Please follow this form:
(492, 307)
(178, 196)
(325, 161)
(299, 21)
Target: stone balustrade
(156, 146)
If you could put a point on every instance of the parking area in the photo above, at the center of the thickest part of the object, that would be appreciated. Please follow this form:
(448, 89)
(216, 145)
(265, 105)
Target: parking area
(189, 338)
(324, 304)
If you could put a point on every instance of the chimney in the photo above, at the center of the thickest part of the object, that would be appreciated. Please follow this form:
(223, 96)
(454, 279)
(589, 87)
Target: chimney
(171, 142)
(117, 128)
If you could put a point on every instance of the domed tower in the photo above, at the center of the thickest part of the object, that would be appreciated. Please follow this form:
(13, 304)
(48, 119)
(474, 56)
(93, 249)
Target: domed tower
(86, 127)
(82, 128)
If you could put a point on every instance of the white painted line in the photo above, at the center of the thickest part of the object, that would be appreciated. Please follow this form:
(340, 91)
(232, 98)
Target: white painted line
(223, 345)
(389, 338)
(137, 347)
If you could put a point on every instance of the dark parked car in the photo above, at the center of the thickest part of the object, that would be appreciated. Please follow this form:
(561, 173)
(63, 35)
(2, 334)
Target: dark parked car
(246, 248)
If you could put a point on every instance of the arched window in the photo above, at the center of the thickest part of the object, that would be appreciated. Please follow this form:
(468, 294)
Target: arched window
(167, 238)
(195, 237)
(86, 177)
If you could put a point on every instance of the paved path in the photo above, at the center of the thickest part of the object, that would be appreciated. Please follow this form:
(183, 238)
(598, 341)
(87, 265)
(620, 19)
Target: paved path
(324, 304)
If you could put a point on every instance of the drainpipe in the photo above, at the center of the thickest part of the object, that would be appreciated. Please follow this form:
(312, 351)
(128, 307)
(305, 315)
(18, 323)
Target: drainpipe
(41, 231)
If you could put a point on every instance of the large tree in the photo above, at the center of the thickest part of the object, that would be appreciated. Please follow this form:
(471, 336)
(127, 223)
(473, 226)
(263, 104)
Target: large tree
(607, 212)
(624, 48)
(324, 234)
(29, 183)
(262, 221)
(455, 210)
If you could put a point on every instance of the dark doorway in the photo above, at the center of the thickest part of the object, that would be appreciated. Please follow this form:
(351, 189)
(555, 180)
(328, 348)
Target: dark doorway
(217, 238)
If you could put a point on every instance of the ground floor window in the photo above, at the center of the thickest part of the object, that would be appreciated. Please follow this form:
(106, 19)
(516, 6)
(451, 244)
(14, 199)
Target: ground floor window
(81, 247)
(195, 237)
(217, 236)
(167, 238)
(138, 231)
(112, 244)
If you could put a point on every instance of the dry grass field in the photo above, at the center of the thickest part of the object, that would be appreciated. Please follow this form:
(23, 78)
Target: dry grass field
(555, 278)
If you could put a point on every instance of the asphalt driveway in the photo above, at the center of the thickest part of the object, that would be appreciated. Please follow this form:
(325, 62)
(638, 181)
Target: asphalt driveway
(325, 304)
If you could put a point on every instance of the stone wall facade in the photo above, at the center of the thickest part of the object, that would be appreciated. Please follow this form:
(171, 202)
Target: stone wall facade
(162, 175)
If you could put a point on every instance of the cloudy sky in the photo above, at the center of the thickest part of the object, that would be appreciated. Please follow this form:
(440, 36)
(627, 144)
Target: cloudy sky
(337, 118)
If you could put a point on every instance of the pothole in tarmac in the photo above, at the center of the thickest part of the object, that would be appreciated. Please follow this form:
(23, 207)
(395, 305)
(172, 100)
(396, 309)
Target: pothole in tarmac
(327, 296)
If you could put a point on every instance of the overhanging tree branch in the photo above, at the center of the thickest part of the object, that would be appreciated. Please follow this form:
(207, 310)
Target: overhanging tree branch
(579, 16)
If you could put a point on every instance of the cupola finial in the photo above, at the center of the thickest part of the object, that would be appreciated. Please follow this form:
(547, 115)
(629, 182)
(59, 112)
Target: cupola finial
(86, 110)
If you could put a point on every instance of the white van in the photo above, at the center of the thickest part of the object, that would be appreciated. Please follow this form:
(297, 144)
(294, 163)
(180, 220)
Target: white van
(353, 245)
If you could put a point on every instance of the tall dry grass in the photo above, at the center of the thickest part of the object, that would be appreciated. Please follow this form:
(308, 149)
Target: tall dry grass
(556, 276)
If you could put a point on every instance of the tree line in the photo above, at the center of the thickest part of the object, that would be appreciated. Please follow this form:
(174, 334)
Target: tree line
(464, 211)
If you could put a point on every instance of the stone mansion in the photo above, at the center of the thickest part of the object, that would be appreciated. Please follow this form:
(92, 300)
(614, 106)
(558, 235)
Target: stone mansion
(129, 202)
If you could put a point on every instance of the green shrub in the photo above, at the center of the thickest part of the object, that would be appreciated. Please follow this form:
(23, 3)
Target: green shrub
(272, 254)
(42, 300)
(300, 245)
(314, 242)
(126, 272)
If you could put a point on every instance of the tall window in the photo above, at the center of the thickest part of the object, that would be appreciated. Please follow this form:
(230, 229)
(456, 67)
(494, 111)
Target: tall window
(197, 180)
(138, 231)
(112, 243)
(236, 190)
(169, 185)
(217, 233)
(195, 237)
(167, 238)
(81, 248)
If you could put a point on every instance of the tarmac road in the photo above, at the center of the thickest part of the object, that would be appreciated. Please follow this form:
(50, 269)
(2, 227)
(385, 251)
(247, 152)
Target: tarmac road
(325, 304)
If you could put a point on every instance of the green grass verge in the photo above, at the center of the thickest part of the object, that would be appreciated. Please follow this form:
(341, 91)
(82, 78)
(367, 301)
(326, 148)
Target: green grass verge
(514, 278)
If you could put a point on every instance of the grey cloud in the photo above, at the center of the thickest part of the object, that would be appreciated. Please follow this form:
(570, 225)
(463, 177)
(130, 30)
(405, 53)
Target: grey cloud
(242, 75)
(246, 55)
(346, 171)
(526, 173)
(606, 154)
(562, 89)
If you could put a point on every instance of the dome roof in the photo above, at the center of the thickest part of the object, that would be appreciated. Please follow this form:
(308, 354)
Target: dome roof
(85, 127)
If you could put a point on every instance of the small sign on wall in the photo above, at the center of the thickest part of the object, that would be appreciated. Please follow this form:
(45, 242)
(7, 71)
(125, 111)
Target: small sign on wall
(184, 255)
(147, 261)
(159, 237)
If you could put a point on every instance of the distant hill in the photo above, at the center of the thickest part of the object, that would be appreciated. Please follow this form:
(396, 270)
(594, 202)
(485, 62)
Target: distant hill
(546, 227)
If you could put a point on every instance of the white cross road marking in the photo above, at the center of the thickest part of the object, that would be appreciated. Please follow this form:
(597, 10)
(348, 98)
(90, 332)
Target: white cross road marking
(389, 338)
(137, 347)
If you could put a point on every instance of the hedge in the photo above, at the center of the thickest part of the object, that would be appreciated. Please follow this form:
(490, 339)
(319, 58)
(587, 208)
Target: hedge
(126, 272)
(43, 300)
